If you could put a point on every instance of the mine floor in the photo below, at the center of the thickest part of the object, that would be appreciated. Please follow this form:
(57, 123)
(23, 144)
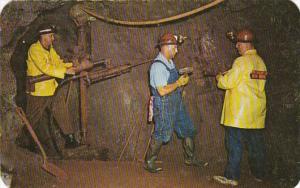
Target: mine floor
(28, 173)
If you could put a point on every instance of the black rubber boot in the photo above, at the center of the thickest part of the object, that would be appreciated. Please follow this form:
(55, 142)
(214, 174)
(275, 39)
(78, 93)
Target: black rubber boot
(189, 154)
(51, 149)
(71, 142)
(152, 156)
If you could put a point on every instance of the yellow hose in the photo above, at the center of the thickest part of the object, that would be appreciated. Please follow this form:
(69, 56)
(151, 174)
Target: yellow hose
(152, 22)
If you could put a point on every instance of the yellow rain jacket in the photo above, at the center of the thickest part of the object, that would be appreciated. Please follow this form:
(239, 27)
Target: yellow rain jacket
(245, 99)
(41, 61)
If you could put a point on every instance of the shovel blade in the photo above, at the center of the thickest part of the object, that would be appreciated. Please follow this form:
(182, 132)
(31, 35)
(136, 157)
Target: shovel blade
(55, 171)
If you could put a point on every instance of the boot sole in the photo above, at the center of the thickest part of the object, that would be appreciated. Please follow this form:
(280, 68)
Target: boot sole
(191, 164)
(153, 170)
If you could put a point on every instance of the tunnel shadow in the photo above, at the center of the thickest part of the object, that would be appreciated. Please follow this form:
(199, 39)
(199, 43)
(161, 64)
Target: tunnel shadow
(19, 67)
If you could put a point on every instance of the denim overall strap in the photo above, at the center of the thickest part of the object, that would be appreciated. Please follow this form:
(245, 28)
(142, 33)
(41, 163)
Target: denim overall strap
(173, 76)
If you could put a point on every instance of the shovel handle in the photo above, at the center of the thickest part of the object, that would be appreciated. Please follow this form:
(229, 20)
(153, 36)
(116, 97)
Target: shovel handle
(22, 115)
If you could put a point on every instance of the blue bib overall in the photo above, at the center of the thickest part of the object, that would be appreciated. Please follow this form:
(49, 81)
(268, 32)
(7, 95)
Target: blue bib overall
(169, 112)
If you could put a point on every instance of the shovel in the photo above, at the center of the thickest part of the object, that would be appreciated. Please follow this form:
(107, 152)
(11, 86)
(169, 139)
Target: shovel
(47, 166)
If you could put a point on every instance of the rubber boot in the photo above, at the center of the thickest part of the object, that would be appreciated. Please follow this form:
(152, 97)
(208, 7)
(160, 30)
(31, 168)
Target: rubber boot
(50, 149)
(71, 142)
(189, 154)
(152, 156)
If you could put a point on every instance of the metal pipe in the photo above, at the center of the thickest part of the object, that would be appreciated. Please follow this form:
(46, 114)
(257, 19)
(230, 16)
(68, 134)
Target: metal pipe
(83, 87)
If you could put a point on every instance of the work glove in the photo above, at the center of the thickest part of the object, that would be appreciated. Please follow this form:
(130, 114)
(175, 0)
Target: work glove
(218, 76)
(83, 66)
(182, 80)
(71, 71)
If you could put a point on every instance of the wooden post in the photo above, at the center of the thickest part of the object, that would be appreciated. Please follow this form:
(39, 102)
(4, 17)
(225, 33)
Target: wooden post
(81, 19)
(82, 43)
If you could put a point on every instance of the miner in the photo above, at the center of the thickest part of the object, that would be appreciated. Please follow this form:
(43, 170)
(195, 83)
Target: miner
(244, 110)
(169, 111)
(44, 60)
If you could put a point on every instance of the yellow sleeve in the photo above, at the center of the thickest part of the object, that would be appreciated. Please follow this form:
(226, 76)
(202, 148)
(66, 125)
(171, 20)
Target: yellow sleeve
(44, 65)
(232, 78)
(68, 65)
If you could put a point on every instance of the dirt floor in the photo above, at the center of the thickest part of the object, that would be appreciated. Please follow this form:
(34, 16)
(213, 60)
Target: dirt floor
(94, 173)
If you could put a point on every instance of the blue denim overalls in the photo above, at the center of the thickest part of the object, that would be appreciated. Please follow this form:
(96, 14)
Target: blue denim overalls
(170, 113)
